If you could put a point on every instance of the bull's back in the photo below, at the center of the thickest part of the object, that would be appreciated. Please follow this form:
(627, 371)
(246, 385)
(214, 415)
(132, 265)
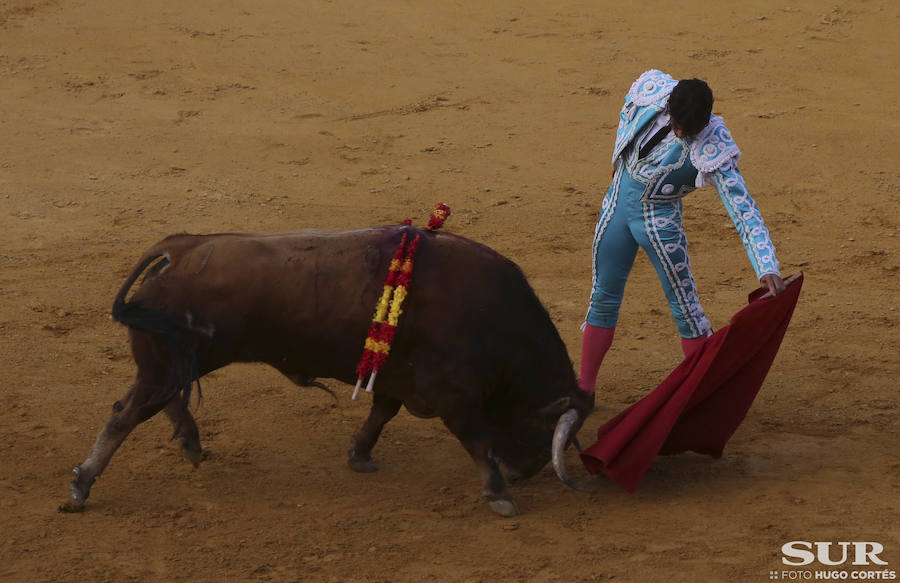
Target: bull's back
(270, 297)
(290, 268)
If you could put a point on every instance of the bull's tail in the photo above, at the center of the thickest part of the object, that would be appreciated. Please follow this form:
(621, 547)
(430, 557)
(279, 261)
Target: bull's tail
(176, 336)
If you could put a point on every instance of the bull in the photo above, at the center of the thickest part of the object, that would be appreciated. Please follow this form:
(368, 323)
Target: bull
(475, 346)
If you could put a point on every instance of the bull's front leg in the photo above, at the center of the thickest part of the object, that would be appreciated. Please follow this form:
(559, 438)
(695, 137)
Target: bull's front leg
(359, 456)
(474, 435)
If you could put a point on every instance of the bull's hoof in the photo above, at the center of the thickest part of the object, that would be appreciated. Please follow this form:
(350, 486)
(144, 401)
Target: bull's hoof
(362, 464)
(505, 508)
(69, 507)
(195, 456)
(190, 445)
(78, 494)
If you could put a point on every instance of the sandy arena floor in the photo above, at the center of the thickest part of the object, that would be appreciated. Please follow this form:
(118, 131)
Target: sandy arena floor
(126, 121)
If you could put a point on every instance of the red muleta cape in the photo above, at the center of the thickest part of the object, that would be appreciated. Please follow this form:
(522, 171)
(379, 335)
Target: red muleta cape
(700, 405)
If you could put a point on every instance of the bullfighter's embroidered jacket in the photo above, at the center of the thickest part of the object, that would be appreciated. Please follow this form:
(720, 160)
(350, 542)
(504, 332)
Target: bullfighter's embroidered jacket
(676, 166)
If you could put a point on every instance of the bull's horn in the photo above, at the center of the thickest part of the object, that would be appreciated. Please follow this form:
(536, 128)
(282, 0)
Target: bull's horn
(564, 427)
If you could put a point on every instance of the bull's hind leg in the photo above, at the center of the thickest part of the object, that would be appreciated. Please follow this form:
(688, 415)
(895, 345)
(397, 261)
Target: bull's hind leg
(186, 431)
(359, 456)
(128, 413)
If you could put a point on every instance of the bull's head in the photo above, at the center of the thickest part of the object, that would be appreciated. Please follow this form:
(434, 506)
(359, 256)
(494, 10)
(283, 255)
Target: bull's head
(543, 436)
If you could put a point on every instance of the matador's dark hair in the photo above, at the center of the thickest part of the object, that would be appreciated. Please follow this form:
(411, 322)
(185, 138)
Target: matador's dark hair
(690, 105)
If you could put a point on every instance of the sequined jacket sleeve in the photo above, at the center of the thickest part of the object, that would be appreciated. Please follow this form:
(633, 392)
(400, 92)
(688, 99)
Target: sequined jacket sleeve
(715, 155)
(746, 216)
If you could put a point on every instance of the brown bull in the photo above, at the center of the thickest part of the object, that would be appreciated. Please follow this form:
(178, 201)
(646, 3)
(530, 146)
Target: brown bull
(474, 346)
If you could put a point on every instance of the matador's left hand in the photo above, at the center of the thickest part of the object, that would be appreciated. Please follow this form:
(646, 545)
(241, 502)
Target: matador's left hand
(773, 283)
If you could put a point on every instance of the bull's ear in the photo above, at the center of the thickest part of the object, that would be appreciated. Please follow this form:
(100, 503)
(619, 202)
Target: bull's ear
(557, 407)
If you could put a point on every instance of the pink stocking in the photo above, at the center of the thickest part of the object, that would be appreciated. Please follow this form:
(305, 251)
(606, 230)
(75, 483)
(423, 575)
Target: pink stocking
(594, 345)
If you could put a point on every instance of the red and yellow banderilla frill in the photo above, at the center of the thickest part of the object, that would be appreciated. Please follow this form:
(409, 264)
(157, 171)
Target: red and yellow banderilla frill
(390, 304)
